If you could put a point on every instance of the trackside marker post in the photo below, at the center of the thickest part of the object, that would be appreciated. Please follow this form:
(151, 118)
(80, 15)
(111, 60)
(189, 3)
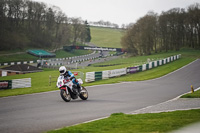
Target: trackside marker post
(192, 89)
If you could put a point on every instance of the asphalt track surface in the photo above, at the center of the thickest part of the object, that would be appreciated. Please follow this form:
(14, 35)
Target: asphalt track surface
(45, 111)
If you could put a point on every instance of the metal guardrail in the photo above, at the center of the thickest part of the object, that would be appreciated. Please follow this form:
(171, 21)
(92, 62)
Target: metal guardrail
(15, 83)
(94, 76)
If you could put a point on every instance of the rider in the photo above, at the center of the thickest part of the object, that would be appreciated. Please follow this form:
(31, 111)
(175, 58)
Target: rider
(68, 75)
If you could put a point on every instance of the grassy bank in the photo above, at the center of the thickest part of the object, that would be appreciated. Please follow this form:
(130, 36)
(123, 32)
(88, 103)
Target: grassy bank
(17, 58)
(106, 37)
(196, 94)
(28, 57)
(40, 80)
(141, 123)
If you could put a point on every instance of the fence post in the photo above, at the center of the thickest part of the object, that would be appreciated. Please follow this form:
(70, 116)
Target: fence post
(49, 80)
(192, 89)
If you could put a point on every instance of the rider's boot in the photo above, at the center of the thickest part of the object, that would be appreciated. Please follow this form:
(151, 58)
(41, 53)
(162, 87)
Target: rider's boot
(78, 87)
(75, 81)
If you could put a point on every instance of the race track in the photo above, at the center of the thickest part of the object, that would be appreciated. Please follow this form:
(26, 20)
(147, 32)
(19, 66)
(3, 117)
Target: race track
(46, 111)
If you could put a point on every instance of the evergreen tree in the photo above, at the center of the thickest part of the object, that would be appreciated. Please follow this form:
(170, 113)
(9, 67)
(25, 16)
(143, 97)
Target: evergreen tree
(88, 34)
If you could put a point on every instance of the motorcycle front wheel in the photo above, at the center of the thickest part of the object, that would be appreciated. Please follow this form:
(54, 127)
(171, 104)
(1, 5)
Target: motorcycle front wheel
(83, 94)
(66, 97)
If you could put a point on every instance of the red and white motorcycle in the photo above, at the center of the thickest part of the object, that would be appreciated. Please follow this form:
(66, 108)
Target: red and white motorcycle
(69, 91)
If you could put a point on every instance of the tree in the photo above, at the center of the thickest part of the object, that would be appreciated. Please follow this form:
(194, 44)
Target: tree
(193, 25)
(88, 34)
(76, 29)
(142, 35)
(172, 30)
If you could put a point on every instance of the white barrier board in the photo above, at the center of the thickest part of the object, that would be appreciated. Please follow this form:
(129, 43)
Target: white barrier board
(21, 83)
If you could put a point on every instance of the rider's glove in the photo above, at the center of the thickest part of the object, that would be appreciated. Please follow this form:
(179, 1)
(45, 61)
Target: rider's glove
(71, 78)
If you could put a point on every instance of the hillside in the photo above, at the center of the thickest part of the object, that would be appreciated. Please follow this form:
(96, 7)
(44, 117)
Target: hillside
(106, 37)
(103, 37)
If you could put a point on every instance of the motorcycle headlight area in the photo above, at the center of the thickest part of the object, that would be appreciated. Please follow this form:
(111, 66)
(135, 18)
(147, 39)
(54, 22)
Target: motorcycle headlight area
(60, 83)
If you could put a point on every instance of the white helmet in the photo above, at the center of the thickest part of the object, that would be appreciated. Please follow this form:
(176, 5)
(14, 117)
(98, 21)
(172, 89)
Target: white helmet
(62, 70)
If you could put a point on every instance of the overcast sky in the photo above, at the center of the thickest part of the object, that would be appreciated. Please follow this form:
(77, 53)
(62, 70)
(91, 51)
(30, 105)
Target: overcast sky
(116, 11)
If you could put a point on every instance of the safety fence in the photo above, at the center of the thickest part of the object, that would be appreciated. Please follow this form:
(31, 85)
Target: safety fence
(17, 63)
(70, 60)
(95, 76)
(48, 62)
(15, 83)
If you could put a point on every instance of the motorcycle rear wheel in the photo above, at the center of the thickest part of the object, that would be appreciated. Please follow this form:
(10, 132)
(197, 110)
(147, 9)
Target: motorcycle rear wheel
(83, 94)
(66, 97)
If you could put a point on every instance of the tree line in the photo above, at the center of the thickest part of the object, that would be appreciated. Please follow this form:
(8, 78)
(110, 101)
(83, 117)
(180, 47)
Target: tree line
(171, 30)
(25, 23)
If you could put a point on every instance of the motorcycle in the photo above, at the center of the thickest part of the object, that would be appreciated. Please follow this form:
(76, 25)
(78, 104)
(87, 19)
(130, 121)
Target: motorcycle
(69, 91)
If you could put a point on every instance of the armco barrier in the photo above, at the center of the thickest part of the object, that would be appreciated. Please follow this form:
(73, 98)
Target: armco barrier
(17, 63)
(90, 77)
(105, 74)
(117, 72)
(98, 76)
(15, 83)
(140, 68)
(144, 67)
(49, 64)
(172, 58)
(132, 69)
(158, 63)
(155, 63)
(93, 76)
(162, 62)
(5, 84)
(21, 83)
(147, 66)
(152, 64)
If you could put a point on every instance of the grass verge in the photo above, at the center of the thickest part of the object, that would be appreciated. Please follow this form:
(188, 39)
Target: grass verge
(196, 94)
(106, 37)
(17, 58)
(141, 123)
(28, 57)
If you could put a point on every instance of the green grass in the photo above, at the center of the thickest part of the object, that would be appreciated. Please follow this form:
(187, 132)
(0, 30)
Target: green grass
(196, 94)
(17, 58)
(28, 57)
(106, 37)
(146, 75)
(134, 61)
(103, 37)
(141, 123)
(40, 80)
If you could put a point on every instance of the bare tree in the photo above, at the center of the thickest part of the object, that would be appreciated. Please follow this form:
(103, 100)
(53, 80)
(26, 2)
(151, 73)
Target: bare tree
(76, 29)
